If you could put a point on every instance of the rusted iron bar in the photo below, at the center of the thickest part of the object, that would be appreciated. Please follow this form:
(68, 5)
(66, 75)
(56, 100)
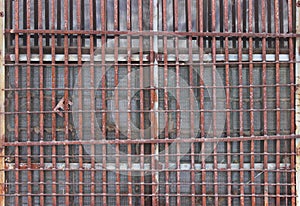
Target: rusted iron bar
(241, 103)
(154, 33)
(227, 91)
(191, 95)
(28, 97)
(297, 103)
(136, 167)
(153, 7)
(41, 93)
(214, 97)
(176, 22)
(103, 85)
(166, 106)
(129, 95)
(116, 101)
(277, 80)
(232, 139)
(201, 96)
(220, 58)
(251, 92)
(141, 16)
(53, 102)
(59, 104)
(2, 102)
(93, 84)
(292, 95)
(67, 189)
(264, 81)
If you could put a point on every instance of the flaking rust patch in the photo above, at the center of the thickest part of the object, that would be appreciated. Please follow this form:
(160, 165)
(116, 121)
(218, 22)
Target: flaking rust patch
(60, 107)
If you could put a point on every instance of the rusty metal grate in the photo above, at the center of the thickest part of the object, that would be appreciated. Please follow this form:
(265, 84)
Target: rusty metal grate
(149, 102)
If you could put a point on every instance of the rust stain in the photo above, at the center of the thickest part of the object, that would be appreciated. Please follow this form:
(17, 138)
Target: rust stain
(61, 105)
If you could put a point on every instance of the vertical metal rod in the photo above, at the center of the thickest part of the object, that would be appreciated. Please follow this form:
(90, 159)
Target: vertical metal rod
(129, 147)
(264, 88)
(201, 99)
(251, 92)
(192, 106)
(177, 71)
(2, 103)
(166, 106)
(103, 85)
(41, 126)
(154, 100)
(228, 105)
(277, 72)
(117, 120)
(292, 96)
(297, 105)
(214, 101)
(80, 103)
(28, 100)
(66, 99)
(240, 71)
(16, 116)
(142, 115)
(92, 100)
(53, 103)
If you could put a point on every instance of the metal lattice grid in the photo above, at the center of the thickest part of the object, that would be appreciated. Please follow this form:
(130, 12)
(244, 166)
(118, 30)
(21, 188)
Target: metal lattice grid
(153, 102)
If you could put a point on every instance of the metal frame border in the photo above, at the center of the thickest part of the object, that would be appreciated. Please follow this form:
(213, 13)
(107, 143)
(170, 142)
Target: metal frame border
(2, 101)
(297, 105)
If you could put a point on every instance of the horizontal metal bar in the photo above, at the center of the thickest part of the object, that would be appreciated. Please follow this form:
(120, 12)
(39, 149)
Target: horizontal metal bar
(148, 111)
(136, 57)
(145, 89)
(154, 141)
(147, 166)
(154, 33)
(148, 195)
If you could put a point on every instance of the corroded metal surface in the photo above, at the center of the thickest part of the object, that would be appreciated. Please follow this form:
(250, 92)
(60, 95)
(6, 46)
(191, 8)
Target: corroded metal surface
(147, 102)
